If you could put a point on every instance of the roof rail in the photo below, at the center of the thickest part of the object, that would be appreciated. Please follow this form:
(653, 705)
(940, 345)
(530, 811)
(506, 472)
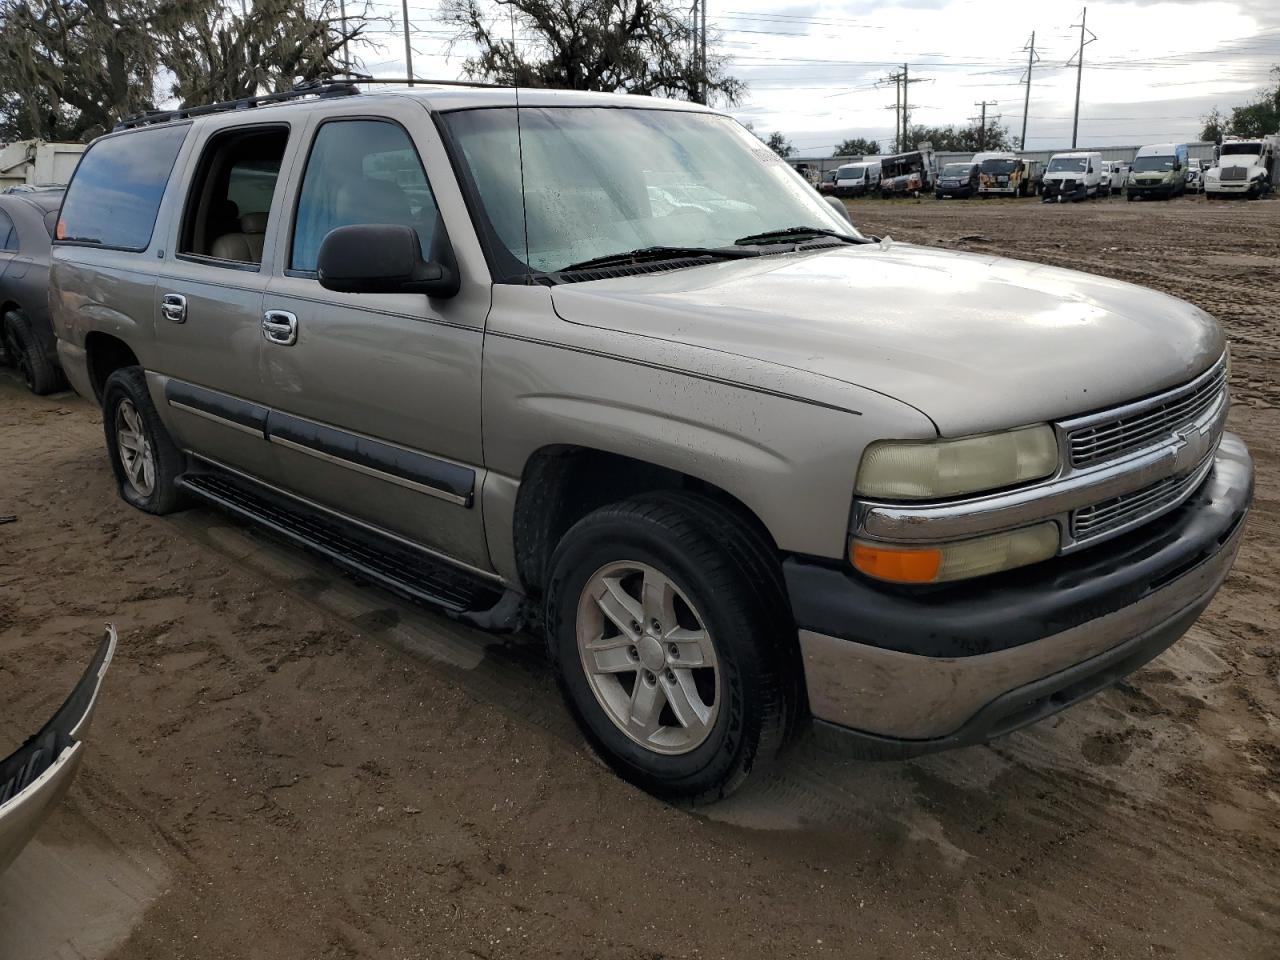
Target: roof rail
(323, 88)
(330, 85)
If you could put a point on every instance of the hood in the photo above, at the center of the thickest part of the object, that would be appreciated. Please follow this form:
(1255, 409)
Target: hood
(974, 342)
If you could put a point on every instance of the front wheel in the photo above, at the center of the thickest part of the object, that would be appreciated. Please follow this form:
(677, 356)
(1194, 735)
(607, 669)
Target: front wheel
(668, 630)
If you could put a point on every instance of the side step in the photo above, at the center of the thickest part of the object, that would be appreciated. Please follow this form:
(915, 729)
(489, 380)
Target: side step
(414, 574)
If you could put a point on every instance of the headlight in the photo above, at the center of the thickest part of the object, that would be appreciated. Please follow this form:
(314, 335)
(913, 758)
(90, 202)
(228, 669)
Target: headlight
(897, 470)
(938, 563)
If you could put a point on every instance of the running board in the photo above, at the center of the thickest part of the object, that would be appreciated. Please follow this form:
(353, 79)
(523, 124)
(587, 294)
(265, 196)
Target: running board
(400, 568)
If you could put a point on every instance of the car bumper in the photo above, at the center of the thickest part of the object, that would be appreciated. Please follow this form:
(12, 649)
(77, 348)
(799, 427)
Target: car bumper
(896, 673)
(1154, 190)
(34, 778)
(958, 192)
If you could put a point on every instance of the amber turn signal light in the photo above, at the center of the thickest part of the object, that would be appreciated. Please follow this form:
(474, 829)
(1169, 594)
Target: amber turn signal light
(892, 563)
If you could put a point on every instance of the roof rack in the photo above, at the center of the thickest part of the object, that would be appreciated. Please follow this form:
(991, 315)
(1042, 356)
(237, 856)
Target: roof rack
(323, 88)
(333, 85)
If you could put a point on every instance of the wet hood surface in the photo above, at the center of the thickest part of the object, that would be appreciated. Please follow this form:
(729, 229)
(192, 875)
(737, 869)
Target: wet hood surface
(975, 342)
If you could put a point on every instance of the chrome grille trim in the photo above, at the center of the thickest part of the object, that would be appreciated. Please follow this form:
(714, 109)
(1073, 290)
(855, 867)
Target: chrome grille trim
(1120, 432)
(1234, 173)
(1118, 514)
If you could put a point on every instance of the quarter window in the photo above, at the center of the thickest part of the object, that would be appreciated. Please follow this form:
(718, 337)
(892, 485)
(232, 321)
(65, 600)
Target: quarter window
(361, 171)
(115, 194)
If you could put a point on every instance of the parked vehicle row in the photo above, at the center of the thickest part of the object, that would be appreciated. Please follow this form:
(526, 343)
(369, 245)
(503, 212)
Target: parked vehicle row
(700, 438)
(27, 220)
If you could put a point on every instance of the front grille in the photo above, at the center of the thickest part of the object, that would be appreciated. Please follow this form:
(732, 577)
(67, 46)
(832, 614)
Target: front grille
(1130, 509)
(1149, 425)
(1234, 173)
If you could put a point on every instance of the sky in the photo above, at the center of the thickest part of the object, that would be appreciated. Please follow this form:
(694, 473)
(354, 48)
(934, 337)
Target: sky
(816, 69)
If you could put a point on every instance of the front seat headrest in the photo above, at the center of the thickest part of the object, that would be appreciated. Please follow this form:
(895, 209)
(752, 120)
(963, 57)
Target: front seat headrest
(253, 223)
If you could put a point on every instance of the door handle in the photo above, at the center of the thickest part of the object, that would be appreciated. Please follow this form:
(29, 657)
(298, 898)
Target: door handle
(173, 307)
(280, 327)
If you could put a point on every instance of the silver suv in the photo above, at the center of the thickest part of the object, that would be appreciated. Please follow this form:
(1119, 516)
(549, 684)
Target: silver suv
(608, 368)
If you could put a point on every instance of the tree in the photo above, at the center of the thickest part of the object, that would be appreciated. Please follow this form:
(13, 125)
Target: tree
(856, 147)
(70, 69)
(779, 144)
(631, 46)
(1257, 118)
(962, 139)
(217, 54)
(75, 67)
(1215, 125)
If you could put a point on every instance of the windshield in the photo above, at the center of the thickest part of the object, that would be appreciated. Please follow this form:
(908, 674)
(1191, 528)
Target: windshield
(1067, 165)
(601, 181)
(1001, 166)
(1152, 164)
(852, 173)
(956, 169)
(1241, 149)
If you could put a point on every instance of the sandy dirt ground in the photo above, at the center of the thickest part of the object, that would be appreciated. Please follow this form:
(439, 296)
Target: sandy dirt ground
(291, 766)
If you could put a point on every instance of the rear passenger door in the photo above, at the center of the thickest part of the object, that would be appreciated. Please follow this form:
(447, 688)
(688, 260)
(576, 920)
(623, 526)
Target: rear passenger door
(375, 398)
(208, 297)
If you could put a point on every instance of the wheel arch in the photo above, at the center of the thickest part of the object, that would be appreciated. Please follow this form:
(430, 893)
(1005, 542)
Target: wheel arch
(106, 353)
(561, 483)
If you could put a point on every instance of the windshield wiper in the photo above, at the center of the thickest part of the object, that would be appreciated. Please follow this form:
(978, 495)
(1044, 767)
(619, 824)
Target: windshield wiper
(794, 233)
(652, 254)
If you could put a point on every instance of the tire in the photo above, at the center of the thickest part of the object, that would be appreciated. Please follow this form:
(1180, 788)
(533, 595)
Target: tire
(23, 348)
(150, 482)
(723, 579)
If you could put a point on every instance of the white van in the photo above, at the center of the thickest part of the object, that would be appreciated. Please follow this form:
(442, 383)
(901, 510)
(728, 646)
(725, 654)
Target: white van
(1073, 176)
(858, 179)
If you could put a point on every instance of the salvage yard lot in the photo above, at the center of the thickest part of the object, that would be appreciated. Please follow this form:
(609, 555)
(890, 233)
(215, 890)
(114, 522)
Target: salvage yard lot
(290, 766)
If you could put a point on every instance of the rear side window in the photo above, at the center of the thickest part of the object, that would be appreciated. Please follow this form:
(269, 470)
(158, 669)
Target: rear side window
(115, 194)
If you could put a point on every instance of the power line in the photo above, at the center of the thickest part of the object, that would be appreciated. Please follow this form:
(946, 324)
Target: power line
(982, 122)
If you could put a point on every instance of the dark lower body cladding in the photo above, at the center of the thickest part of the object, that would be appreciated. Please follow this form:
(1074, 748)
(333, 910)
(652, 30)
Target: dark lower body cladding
(894, 673)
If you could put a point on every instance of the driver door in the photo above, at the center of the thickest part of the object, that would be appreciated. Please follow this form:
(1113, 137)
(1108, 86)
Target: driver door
(375, 398)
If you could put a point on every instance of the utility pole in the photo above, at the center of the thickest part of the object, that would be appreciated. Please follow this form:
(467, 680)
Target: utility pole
(408, 50)
(702, 40)
(982, 122)
(901, 106)
(693, 51)
(1079, 58)
(1032, 57)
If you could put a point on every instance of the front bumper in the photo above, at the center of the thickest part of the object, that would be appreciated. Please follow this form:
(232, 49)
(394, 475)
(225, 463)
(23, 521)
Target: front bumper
(961, 193)
(899, 672)
(34, 778)
(1162, 189)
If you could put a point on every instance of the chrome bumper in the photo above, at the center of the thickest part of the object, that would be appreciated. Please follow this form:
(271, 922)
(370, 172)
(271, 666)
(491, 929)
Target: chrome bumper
(34, 778)
(904, 697)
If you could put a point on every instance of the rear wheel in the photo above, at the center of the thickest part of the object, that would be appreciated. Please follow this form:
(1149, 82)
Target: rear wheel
(26, 353)
(667, 626)
(145, 459)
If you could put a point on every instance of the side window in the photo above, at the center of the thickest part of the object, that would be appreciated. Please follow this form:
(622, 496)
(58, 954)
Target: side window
(115, 194)
(8, 234)
(360, 171)
(230, 197)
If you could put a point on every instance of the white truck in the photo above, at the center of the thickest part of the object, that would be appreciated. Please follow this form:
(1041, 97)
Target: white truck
(38, 163)
(1245, 167)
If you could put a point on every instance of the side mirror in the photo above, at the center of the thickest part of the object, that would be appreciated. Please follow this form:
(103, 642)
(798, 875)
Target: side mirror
(381, 258)
(838, 206)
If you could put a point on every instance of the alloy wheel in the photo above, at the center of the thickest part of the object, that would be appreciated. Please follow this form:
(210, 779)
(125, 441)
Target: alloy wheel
(648, 657)
(136, 455)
